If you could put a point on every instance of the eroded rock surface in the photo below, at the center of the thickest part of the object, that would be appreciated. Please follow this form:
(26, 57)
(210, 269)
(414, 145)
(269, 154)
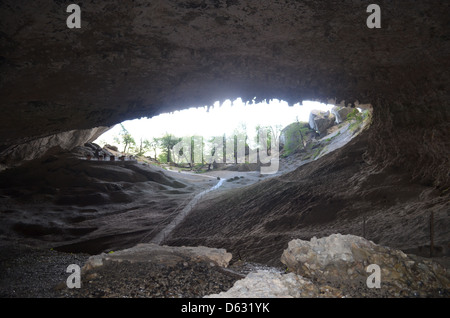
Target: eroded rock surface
(344, 259)
(335, 266)
(60, 142)
(341, 113)
(149, 270)
(320, 121)
(267, 284)
(80, 205)
(166, 255)
(140, 58)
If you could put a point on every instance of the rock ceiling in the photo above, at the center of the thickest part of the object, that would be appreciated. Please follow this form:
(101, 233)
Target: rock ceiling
(141, 58)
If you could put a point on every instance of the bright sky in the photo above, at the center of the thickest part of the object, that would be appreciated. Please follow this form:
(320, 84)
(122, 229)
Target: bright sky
(216, 120)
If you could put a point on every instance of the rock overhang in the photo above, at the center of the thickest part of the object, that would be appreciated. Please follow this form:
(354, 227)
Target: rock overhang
(133, 59)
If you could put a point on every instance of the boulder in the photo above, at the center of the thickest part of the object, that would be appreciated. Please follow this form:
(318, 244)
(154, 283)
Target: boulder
(111, 147)
(165, 255)
(320, 121)
(345, 260)
(292, 138)
(267, 284)
(341, 113)
(34, 149)
(91, 149)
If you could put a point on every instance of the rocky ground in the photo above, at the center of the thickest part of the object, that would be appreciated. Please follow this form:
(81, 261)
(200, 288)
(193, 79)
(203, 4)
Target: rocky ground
(30, 272)
(339, 193)
(334, 266)
(71, 204)
(137, 201)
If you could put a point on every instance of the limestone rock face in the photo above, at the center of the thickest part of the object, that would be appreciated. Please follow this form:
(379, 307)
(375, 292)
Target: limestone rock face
(320, 121)
(65, 141)
(320, 253)
(345, 259)
(335, 266)
(165, 255)
(140, 58)
(341, 113)
(292, 138)
(93, 150)
(266, 284)
(153, 271)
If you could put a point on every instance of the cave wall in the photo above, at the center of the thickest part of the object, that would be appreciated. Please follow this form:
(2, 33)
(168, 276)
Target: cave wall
(59, 142)
(141, 58)
(413, 136)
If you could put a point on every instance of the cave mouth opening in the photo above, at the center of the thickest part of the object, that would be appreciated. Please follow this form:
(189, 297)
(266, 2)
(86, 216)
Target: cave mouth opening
(93, 194)
(239, 127)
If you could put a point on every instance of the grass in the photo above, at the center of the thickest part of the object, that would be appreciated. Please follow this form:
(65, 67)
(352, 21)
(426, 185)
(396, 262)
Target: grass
(318, 151)
(331, 138)
(356, 119)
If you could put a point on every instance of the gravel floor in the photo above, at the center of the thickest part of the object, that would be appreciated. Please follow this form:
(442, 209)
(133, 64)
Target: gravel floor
(32, 272)
(28, 272)
(138, 280)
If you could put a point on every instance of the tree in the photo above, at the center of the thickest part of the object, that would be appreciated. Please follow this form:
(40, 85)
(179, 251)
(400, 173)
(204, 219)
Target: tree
(166, 143)
(272, 137)
(125, 138)
(144, 146)
(238, 139)
(154, 144)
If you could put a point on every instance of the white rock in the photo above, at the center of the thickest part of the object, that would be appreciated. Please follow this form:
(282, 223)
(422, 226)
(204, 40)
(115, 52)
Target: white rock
(265, 284)
(149, 252)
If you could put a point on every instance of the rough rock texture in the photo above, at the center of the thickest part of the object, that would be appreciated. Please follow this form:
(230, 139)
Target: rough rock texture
(323, 252)
(292, 137)
(41, 273)
(320, 121)
(341, 113)
(30, 272)
(143, 253)
(335, 266)
(151, 280)
(160, 271)
(93, 151)
(140, 58)
(339, 193)
(34, 149)
(149, 270)
(266, 284)
(72, 204)
(344, 259)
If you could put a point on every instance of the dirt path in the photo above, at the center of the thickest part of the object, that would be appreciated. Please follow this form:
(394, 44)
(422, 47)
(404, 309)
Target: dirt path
(161, 236)
(237, 179)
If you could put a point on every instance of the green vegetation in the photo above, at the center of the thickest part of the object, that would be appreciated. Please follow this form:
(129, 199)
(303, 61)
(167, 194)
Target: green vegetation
(318, 151)
(166, 143)
(125, 138)
(331, 138)
(295, 137)
(357, 118)
(145, 146)
(298, 137)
